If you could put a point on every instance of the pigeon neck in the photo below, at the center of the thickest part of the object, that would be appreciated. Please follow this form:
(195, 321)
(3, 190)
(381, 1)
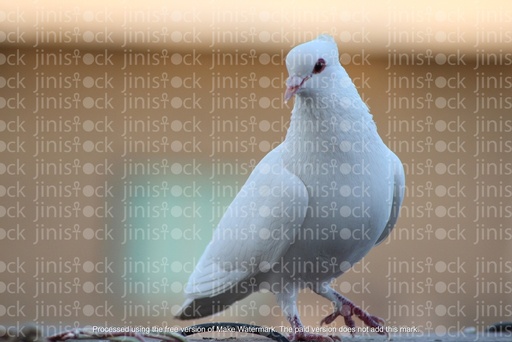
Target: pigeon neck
(327, 116)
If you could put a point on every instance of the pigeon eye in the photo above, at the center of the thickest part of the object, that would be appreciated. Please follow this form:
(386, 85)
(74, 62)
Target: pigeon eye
(319, 66)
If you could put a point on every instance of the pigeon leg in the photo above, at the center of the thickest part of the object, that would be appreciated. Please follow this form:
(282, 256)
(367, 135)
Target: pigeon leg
(288, 303)
(346, 309)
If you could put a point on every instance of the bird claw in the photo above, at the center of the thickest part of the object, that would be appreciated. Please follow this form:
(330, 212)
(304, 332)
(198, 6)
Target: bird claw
(329, 319)
(347, 310)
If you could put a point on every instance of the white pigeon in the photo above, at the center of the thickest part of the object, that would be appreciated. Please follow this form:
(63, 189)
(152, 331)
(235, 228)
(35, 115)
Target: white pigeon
(313, 206)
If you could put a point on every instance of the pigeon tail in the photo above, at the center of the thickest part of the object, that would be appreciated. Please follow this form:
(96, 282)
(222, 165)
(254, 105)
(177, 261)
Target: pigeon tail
(194, 308)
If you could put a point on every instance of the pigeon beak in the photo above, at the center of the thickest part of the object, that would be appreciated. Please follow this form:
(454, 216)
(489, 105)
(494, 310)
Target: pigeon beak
(293, 84)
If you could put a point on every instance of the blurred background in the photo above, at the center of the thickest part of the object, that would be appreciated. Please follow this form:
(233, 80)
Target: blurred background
(127, 128)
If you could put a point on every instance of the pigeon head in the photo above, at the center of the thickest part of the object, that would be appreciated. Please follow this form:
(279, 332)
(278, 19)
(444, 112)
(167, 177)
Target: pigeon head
(311, 66)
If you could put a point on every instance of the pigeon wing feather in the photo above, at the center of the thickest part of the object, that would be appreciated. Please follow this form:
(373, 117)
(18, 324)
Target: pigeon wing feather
(398, 196)
(256, 230)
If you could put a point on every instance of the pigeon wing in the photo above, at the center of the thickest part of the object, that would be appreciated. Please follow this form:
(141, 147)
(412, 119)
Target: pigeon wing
(398, 196)
(255, 231)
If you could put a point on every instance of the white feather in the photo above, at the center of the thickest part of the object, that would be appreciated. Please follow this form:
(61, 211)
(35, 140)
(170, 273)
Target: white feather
(313, 206)
(257, 229)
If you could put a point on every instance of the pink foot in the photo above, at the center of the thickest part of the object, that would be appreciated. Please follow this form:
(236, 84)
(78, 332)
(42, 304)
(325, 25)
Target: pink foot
(348, 309)
(302, 336)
